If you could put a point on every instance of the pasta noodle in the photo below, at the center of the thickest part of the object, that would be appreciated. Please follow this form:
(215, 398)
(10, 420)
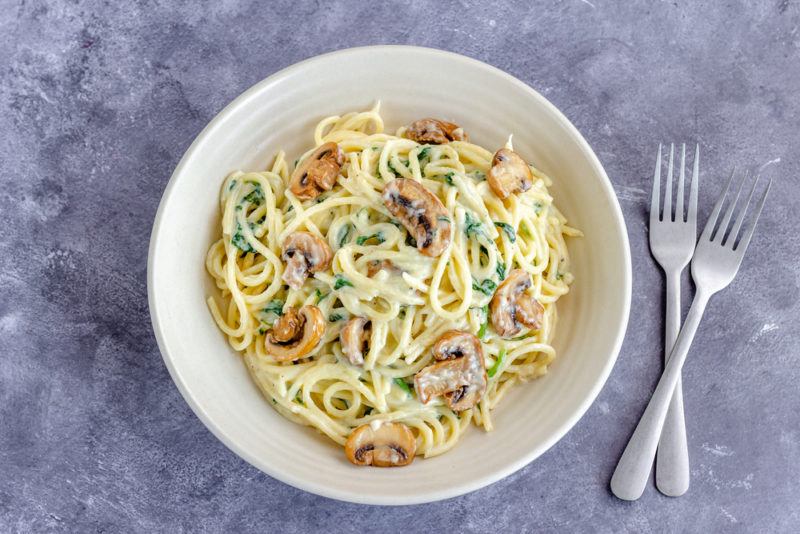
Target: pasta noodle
(410, 308)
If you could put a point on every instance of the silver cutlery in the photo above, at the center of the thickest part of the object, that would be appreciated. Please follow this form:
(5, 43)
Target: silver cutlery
(672, 242)
(716, 261)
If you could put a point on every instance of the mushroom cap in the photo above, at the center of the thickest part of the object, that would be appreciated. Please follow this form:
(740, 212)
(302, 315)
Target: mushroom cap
(304, 253)
(434, 132)
(381, 445)
(512, 309)
(295, 333)
(355, 339)
(509, 174)
(318, 172)
(459, 374)
(421, 212)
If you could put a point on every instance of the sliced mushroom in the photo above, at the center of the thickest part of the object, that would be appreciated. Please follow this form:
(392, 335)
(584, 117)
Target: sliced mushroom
(318, 172)
(459, 374)
(434, 132)
(421, 212)
(376, 266)
(512, 308)
(355, 339)
(509, 174)
(381, 445)
(295, 333)
(304, 253)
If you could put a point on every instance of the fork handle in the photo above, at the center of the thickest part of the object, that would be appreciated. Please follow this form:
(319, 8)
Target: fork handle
(672, 461)
(633, 468)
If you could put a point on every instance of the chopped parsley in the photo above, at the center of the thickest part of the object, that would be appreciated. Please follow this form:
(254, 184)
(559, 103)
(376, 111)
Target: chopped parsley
(334, 317)
(443, 218)
(341, 282)
(508, 229)
(402, 384)
(486, 287)
(391, 167)
(232, 185)
(364, 238)
(496, 367)
(538, 207)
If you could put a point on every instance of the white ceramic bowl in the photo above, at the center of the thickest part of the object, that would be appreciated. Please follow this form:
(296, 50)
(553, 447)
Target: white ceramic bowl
(280, 112)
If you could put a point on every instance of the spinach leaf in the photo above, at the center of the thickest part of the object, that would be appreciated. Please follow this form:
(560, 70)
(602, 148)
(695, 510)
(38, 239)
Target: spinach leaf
(274, 306)
(508, 229)
(472, 225)
(341, 282)
(501, 270)
(486, 287)
(402, 384)
(320, 296)
(485, 324)
(496, 367)
(344, 234)
(239, 241)
(256, 196)
(364, 238)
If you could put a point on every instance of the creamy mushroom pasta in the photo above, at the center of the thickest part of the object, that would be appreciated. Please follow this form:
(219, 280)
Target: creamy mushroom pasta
(389, 289)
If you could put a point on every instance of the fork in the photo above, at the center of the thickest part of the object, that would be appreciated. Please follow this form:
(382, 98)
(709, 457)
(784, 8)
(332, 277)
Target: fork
(716, 261)
(672, 244)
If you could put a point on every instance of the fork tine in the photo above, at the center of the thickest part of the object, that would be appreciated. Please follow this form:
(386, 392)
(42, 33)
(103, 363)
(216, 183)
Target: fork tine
(740, 218)
(712, 219)
(723, 227)
(667, 214)
(654, 208)
(679, 216)
(692, 212)
(742, 246)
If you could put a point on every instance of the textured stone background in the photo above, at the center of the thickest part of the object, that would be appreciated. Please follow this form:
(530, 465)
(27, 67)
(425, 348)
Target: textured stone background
(99, 100)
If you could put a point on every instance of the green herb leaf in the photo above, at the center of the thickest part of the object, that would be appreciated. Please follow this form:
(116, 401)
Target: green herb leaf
(448, 178)
(501, 270)
(232, 185)
(496, 367)
(344, 234)
(256, 196)
(320, 295)
(391, 167)
(443, 218)
(334, 317)
(341, 282)
(479, 175)
(424, 153)
(538, 207)
(402, 384)
(486, 287)
(274, 306)
(508, 229)
(364, 238)
(472, 225)
(485, 324)
(239, 241)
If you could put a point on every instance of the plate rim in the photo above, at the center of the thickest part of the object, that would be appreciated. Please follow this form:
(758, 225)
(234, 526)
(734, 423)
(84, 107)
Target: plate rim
(341, 494)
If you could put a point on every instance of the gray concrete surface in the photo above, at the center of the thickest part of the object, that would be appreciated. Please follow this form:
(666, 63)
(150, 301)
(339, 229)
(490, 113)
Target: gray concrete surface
(99, 100)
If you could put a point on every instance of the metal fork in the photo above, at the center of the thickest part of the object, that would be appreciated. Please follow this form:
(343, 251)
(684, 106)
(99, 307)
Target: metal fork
(672, 242)
(716, 261)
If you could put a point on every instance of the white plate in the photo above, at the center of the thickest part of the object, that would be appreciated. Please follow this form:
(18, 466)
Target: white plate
(280, 112)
